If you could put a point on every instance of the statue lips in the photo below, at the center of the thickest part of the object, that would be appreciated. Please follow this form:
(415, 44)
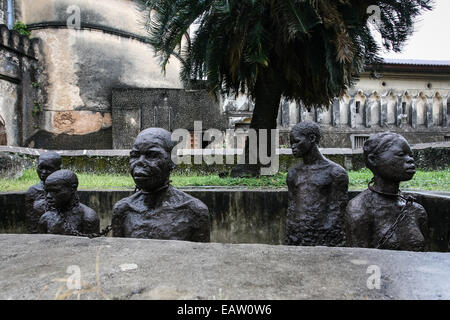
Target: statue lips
(411, 170)
(140, 173)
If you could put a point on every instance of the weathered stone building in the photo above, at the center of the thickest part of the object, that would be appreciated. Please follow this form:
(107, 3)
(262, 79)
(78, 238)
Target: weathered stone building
(410, 97)
(87, 49)
(88, 79)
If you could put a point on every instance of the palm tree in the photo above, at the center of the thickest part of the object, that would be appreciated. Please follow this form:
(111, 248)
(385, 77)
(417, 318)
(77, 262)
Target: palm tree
(303, 50)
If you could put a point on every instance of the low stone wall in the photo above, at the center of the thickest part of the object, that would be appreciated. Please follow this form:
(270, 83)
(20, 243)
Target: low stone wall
(431, 156)
(122, 269)
(238, 216)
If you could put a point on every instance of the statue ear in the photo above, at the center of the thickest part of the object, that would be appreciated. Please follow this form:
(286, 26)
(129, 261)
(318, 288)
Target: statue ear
(312, 138)
(372, 161)
(172, 165)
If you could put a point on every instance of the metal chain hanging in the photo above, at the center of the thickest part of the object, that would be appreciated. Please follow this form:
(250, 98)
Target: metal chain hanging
(390, 232)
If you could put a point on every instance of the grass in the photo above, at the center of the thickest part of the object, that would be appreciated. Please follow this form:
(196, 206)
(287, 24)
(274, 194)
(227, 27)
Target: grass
(423, 180)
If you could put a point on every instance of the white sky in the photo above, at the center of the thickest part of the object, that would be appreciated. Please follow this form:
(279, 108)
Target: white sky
(431, 39)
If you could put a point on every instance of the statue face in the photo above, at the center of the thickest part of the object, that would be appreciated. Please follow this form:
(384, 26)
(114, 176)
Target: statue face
(46, 167)
(59, 194)
(301, 144)
(395, 163)
(150, 163)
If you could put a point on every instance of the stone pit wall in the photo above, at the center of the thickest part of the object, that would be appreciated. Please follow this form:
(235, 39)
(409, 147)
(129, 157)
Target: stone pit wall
(237, 215)
(82, 65)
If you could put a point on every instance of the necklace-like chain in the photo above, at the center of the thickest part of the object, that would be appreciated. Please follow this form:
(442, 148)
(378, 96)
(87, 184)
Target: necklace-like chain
(390, 232)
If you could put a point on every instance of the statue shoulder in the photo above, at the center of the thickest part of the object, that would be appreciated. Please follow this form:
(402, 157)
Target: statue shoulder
(123, 204)
(356, 208)
(88, 213)
(184, 199)
(292, 174)
(337, 170)
(36, 189)
(419, 210)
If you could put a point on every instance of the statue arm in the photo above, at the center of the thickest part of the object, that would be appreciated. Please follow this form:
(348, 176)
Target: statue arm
(423, 226)
(92, 222)
(29, 212)
(339, 194)
(290, 181)
(203, 232)
(42, 225)
(117, 221)
(358, 231)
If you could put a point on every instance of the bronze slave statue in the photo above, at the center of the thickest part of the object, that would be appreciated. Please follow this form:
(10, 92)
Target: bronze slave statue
(317, 193)
(158, 210)
(382, 217)
(35, 201)
(66, 215)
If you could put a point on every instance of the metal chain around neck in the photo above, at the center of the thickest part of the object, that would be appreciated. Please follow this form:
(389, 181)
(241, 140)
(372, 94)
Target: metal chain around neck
(390, 232)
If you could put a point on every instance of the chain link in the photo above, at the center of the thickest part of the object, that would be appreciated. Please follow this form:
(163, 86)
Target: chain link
(390, 232)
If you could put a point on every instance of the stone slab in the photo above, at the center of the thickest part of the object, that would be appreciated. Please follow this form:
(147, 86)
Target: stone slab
(34, 267)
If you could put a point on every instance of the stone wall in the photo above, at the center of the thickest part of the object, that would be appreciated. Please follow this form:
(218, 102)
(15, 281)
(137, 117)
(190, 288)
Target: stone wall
(137, 109)
(21, 93)
(83, 63)
(238, 216)
(3, 12)
(427, 157)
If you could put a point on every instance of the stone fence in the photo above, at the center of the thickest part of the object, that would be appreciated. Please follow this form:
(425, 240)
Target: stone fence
(430, 156)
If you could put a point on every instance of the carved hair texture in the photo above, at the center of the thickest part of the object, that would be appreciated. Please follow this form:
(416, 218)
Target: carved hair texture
(158, 135)
(377, 144)
(53, 156)
(306, 128)
(69, 178)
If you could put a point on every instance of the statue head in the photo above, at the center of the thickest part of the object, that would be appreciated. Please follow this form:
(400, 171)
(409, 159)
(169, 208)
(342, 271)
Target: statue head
(48, 163)
(304, 136)
(389, 156)
(61, 188)
(150, 159)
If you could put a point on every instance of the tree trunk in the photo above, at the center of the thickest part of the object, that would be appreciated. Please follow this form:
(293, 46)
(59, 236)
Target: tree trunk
(267, 102)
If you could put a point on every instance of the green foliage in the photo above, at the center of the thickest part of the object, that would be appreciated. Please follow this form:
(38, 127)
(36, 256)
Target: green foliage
(423, 180)
(37, 108)
(312, 49)
(22, 28)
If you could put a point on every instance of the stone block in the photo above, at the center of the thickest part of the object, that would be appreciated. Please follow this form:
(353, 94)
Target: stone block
(11, 166)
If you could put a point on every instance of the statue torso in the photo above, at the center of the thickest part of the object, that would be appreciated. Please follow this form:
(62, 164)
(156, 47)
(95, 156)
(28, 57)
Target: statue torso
(317, 197)
(80, 219)
(377, 214)
(174, 216)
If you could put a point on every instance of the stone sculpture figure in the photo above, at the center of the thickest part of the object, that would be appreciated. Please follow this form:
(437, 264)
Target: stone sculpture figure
(66, 215)
(158, 210)
(35, 198)
(317, 193)
(381, 217)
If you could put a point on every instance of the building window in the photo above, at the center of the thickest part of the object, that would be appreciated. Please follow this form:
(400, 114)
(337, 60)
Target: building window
(358, 141)
(404, 108)
(358, 107)
(447, 138)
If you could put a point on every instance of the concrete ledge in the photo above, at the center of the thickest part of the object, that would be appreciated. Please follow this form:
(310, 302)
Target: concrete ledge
(34, 267)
